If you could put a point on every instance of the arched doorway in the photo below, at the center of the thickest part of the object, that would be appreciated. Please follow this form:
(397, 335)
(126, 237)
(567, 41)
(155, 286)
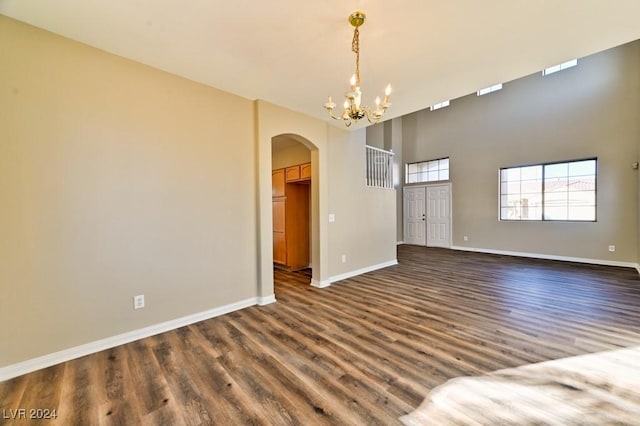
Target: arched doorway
(297, 248)
(273, 121)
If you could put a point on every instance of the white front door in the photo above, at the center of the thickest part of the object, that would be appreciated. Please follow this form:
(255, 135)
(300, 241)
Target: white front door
(427, 215)
(414, 216)
(439, 216)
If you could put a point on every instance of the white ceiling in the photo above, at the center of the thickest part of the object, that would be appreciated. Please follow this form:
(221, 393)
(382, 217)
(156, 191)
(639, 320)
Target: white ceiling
(296, 53)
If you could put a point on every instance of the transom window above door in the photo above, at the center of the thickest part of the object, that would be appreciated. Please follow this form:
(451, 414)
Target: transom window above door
(427, 171)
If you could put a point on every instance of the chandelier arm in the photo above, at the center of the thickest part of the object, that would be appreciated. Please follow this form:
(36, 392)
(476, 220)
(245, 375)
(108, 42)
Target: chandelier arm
(332, 115)
(369, 114)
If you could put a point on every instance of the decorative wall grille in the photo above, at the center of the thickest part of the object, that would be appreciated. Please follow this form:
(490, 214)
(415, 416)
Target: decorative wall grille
(379, 167)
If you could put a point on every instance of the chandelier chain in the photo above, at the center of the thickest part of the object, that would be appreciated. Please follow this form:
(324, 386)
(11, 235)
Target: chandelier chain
(355, 48)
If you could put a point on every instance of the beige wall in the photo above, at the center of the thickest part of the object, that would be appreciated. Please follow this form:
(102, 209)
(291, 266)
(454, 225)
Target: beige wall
(364, 227)
(388, 135)
(272, 122)
(375, 135)
(117, 180)
(398, 174)
(288, 152)
(364, 216)
(591, 110)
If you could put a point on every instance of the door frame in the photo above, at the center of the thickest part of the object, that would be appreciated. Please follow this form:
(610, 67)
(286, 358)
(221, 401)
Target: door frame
(425, 186)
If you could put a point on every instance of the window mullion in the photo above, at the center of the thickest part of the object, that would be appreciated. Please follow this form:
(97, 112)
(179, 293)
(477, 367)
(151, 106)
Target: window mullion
(544, 185)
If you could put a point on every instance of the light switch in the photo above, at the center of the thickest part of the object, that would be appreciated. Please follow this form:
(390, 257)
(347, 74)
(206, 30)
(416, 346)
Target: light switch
(332, 217)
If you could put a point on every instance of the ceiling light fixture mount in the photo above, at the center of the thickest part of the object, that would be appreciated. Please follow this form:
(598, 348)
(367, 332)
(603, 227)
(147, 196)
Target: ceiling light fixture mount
(352, 110)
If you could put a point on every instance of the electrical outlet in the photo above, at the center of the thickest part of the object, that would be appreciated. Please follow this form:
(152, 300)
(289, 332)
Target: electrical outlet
(138, 301)
(612, 248)
(465, 238)
(344, 258)
(332, 217)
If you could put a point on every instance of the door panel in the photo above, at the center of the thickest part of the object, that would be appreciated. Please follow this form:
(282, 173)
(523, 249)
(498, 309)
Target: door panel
(414, 216)
(439, 216)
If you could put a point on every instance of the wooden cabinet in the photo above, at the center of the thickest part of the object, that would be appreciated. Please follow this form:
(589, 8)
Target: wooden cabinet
(291, 202)
(305, 171)
(296, 234)
(297, 173)
(279, 228)
(277, 183)
(292, 173)
(279, 248)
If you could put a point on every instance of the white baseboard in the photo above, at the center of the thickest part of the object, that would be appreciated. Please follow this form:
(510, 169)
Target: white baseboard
(65, 355)
(361, 271)
(267, 300)
(333, 279)
(551, 257)
(320, 284)
(638, 268)
(399, 242)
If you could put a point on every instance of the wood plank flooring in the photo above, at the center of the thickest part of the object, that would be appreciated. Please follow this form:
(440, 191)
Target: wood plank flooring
(363, 351)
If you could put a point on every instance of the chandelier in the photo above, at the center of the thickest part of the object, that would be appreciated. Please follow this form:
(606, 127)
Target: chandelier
(352, 110)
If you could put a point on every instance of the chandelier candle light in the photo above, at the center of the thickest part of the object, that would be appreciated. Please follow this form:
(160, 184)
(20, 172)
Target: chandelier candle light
(352, 111)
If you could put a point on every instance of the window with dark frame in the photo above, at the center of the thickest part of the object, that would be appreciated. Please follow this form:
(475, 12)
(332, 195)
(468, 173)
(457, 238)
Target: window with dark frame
(563, 191)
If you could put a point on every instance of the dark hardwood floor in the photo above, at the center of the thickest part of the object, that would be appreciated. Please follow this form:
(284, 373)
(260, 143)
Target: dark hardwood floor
(363, 351)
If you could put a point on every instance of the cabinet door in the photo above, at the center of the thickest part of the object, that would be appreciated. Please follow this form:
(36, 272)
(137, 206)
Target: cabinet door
(305, 171)
(279, 226)
(279, 248)
(278, 214)
(293, 173)
(277, 183)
